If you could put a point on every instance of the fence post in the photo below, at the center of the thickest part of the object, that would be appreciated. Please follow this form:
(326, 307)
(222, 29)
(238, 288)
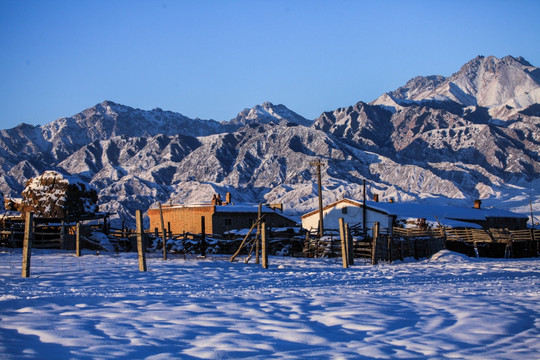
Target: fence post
(12, 236)
(533, 241)
(257, 242)
(317, 241)
(344, 255)
(401, 249)
(78, 240)
(350, 250)
(27, 243)
(389, 248)
(164, 235)
(203, 238)
(264, 245)
(307, 245)
(331, 255)
(374, 258)
(62, 233)
(140, 240)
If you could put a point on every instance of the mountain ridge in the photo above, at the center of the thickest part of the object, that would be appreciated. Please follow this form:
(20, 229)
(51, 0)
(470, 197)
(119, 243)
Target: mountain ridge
(486, 82)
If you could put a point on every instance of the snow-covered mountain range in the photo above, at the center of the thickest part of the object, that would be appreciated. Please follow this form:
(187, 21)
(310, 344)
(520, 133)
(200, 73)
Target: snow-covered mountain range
(475, 134)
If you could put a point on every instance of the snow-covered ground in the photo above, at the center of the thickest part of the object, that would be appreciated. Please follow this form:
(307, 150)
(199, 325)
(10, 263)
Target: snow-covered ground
(102, 307)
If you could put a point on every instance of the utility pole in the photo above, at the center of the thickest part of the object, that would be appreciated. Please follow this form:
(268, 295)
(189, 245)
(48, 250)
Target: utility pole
(318, 164)
(532, 217)
(364, 212)
(258, 237)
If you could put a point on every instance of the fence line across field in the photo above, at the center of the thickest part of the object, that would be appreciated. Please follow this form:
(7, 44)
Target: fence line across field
(377, 244)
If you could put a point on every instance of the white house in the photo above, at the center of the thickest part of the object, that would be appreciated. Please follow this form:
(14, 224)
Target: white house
(386, 213)
(352, 213)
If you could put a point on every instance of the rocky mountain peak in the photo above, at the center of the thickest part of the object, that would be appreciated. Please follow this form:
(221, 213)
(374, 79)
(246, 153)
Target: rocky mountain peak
(501, 85)
(268, 113)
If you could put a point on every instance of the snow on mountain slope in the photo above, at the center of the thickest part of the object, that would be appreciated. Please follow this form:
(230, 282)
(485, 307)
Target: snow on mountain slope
(269, 163)
(26, 150)
(268, 112)
(109, 119)
(488, 82)
(429, 133)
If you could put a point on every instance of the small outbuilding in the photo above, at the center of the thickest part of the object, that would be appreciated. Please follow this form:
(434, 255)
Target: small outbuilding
(219, 217)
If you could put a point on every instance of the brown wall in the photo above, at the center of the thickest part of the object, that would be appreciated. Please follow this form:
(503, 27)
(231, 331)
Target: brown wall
(188, 219)
(182, 219)
(245, 220)
(500, 223)
(237, 220)
(506, 223)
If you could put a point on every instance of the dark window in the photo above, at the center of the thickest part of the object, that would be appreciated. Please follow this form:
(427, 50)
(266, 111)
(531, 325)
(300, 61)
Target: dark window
(344, 210)
(228, 222)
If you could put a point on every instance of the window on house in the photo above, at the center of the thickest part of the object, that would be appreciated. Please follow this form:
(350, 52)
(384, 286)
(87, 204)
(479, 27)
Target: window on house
(228, 222)
(344, 210)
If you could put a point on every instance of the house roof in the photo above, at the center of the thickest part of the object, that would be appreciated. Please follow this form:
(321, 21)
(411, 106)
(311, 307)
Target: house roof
(243, 208)
(249, 209)
(427, 211)
(237, 208)
(348, 201)
(453, 215)
(230, 208)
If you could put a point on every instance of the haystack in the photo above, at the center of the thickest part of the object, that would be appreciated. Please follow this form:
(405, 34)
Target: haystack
(53, 195)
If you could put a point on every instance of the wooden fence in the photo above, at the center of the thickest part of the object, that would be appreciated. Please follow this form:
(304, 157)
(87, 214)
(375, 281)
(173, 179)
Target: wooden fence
(190, 243)
(44, 236)
(399, 243)
(390, 245)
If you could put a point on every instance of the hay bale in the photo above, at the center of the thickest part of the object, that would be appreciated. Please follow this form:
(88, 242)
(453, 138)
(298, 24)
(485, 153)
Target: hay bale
(53, 195)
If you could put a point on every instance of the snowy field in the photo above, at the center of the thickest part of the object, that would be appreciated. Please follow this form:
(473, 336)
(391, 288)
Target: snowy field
(102, 307)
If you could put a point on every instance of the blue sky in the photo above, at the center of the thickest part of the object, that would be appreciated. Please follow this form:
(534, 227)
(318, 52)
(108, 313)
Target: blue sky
(211, 59)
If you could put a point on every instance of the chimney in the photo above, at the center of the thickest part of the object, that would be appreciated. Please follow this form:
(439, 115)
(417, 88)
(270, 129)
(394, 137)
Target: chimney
(228, 198)
(214, 200)
(477, 204)
(277, 207)
(376, 197)
(218, 200)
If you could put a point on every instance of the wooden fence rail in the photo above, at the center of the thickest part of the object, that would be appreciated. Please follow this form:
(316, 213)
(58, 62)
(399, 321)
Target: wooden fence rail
(398, 243)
